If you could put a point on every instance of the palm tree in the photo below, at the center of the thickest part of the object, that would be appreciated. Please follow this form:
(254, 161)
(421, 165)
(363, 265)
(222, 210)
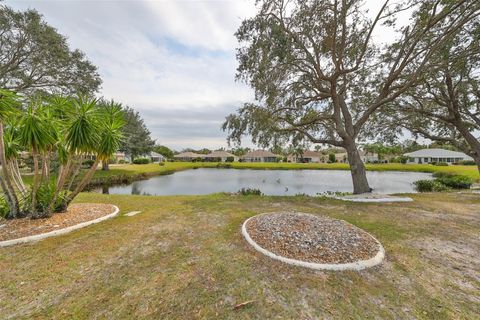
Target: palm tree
(110, 136)
(36, 135)
(8, 108)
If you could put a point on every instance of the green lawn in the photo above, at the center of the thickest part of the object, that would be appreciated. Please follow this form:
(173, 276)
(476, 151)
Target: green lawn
(131, 171)
(184, 257)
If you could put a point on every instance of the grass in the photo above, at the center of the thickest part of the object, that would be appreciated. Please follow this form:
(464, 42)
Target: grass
(184, 257)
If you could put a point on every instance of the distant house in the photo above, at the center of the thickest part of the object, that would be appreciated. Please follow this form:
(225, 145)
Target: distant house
(156, 157)
(220, 156)
(188, 156)
(119, 156)
(367, 157)
(260, 156)
(307, 157)
(436, 155)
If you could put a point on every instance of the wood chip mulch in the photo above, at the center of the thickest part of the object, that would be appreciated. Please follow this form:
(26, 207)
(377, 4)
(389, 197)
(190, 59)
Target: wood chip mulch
(75, 214)
(311, 238)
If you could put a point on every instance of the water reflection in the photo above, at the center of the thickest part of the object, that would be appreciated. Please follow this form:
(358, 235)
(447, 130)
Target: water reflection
(270, 182)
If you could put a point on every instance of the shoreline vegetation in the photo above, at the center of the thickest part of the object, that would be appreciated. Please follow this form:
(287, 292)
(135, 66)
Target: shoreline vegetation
(127, 173)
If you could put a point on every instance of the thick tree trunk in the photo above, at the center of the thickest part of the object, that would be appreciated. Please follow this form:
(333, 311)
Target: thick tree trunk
(62, 176)
(105, 165)
(357, 169)
(36, 178)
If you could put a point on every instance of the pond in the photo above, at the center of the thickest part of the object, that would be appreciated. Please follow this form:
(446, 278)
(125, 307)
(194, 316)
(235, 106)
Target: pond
(270, 182)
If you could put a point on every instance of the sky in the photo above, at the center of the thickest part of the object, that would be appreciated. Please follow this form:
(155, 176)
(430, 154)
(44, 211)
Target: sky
(171, 60)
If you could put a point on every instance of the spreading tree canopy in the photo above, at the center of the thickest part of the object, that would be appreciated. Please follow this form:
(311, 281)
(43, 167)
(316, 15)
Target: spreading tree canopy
(319, 76)
(137, 139)
(445, 106)
(35, 57)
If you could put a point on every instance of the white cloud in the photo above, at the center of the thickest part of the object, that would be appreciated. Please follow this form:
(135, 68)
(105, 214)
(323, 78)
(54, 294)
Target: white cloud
(163, 58)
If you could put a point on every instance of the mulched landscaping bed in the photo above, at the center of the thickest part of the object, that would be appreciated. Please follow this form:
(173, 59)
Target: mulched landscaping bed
(75, 214)
(311, 238)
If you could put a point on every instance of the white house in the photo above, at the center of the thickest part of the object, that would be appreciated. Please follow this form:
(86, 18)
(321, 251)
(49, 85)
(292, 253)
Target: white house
(156, 157)
(436, 155)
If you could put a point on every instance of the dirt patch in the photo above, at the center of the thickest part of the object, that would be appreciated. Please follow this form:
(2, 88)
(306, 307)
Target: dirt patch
(311, 238)
(75, 214)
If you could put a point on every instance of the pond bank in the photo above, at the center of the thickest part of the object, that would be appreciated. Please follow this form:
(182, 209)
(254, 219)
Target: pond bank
(128, 173)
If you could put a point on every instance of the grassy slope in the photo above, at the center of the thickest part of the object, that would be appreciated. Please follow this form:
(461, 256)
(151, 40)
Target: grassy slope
(184, 258)
(138, 171)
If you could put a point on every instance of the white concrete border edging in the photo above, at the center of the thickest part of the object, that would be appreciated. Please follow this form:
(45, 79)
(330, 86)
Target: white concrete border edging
(58, 232)
(357, 266)
(376, 200)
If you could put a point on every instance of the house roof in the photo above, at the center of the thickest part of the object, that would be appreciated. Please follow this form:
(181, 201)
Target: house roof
(219, 154)
(437, 153)
(189, 155)
(307, 154)
(260, 154)
(156, 155)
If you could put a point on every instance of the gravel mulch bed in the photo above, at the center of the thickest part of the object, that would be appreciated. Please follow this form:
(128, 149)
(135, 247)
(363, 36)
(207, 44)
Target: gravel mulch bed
(75, 214)
(311, 238)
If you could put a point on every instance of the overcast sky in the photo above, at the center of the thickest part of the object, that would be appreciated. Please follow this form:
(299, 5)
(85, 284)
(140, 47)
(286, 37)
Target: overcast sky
(172, 60)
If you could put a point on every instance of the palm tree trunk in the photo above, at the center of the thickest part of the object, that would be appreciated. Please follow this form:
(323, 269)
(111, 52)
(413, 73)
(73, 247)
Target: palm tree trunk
(35, 182)
(86, 179)
(9, 191)
(76, 170)
(62, 176)
(16, 172)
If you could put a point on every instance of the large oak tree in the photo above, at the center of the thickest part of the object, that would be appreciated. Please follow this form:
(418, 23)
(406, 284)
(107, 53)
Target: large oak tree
(35, 57)
(445, 106)
(319, 76)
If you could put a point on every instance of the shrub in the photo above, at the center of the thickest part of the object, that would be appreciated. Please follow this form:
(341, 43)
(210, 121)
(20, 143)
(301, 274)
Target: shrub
(230, 159)
(455, 181)
(4, 210)
(122, 161)
(88, 163)
(429, 186)
(468, 163)
(442, 164)
(141, 161)
(161, 164)
(434, 163)
(424, 185)
(332, 158)
(250, 192)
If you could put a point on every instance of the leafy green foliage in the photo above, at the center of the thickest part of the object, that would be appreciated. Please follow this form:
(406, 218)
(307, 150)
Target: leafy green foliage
(35, 57)
(137, 140)
(454, 181)
(4, 208)
(141, 161)
(430, 186)
(443, 182)
(164, 151)
(332, 158)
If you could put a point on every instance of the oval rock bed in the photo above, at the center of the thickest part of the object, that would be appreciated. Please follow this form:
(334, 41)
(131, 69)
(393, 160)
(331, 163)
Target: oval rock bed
(312, 241)
(78, 213)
